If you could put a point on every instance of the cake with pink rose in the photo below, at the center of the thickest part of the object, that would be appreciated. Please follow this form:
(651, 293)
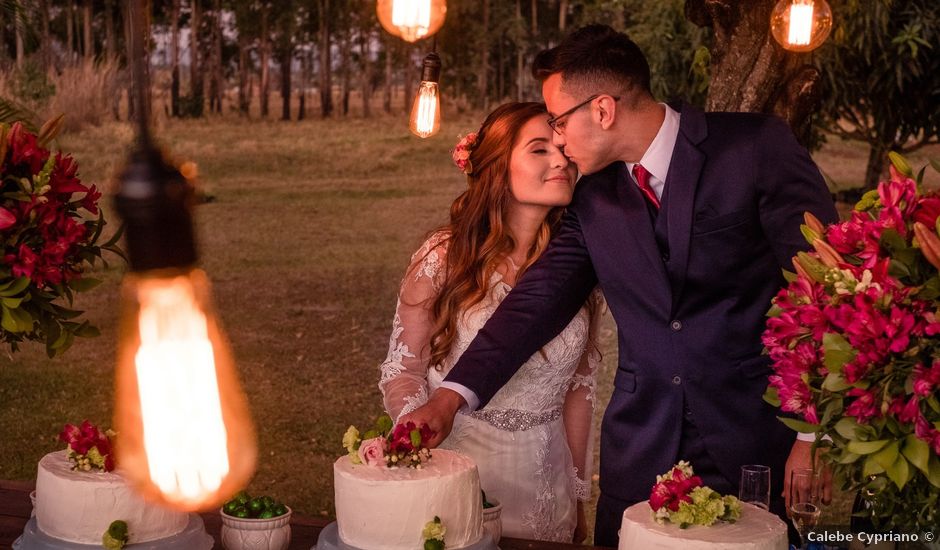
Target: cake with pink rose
(394, 493)
(683, 514)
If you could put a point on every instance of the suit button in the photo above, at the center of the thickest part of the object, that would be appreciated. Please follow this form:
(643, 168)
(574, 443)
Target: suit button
(677, 379)
(665, 258)
(676, 325)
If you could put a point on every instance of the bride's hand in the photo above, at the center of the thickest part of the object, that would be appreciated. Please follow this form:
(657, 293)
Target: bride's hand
(438, 413)
(580, 530)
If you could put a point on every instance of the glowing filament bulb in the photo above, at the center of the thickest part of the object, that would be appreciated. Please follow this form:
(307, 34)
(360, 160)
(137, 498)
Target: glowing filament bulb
(801, 23)
(412, 17)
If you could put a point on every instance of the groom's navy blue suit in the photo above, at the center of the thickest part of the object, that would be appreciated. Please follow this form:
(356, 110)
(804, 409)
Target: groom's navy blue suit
(689, 292)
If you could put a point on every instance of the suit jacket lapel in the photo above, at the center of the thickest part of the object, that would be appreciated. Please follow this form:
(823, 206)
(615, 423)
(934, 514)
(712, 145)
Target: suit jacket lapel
(641, 235)
(681, 182)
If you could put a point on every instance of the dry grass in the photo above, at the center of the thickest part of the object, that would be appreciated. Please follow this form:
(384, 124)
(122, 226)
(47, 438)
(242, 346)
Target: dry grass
(306, 242)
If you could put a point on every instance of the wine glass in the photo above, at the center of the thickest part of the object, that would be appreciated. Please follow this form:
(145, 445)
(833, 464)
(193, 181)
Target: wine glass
(804, 501)
(755, 485)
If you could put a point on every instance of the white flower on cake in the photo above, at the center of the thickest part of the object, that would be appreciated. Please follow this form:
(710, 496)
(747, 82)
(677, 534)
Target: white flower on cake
(433, 534)
(680, 498)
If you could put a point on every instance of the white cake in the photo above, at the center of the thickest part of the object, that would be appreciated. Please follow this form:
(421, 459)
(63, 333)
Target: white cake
(380, 507)
(77, 506)
(757, 529)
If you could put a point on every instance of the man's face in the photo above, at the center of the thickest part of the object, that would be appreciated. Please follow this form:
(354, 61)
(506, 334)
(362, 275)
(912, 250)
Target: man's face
(575, 130)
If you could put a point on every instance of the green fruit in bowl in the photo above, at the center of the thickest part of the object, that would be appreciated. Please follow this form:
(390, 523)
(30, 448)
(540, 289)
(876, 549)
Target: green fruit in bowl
(242, 497)
(267, 501)
(280, 509)
(255, 506)
(230, 507)
(267, 514)
(241, 512)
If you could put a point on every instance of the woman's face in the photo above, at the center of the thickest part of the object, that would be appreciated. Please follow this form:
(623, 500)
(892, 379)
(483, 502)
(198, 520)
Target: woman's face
(539, 174)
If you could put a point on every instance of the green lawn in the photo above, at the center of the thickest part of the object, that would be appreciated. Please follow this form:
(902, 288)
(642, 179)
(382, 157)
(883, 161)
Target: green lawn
(310, 229)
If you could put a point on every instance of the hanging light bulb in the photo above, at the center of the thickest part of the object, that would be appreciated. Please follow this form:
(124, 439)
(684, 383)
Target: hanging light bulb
(801, 25)
(185, 434)
(411, 20)
(426, 111)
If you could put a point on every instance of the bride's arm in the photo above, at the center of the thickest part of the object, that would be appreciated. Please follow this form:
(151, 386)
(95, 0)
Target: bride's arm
(404, 372)
(579, 403)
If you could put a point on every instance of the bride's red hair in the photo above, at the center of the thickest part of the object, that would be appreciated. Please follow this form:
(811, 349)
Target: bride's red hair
(477, 239)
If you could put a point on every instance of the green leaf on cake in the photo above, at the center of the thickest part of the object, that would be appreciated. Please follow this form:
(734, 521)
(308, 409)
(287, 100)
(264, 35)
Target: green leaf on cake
(116, 536)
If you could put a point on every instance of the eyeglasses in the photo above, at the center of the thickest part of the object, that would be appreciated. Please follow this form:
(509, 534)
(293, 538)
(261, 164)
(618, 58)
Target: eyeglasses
(559, 126)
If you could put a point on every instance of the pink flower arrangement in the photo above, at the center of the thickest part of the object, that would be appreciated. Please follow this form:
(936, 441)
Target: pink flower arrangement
(88, 447)
(405, 445)
(461, 153)
(856, 358)
(673, 488)
(47, 239)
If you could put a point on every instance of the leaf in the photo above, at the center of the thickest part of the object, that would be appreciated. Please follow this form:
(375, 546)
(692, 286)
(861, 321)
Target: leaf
(866, 447)
(900, 164)
(799, 425)
(87, 330)
(899, 472)
(834, 382)
(84, 284)
(848, 458)
(935, 164)
(887, 456)
(871, 467)
(837, 352)
(11, 303)
(415, 438)
(917, 452)
(18, 286)
(16, 320)
(846, 427)
(933, 466)
(808, 234)
(772, 397)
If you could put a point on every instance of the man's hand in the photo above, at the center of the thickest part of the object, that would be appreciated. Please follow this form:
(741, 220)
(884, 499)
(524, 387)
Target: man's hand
(581, 529)
(438, 413)
(800, 457)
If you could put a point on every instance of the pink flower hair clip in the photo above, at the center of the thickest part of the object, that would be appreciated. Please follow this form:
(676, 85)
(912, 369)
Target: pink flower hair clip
(461, 153)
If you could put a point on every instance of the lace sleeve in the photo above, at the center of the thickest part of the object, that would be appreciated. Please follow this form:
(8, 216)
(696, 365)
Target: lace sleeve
(579, 403)
(404, 372)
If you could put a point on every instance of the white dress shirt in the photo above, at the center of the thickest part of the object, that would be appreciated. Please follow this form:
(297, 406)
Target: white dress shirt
(658, 155)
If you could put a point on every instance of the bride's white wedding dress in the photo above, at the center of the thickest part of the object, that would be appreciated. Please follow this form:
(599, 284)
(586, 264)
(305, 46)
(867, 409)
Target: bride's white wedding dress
(532, 441)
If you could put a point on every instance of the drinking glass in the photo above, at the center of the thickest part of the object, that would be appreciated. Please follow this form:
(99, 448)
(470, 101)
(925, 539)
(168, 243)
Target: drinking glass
(755, 485)
(804, 501)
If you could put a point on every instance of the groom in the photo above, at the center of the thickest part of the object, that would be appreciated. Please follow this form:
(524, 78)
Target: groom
(686, 220)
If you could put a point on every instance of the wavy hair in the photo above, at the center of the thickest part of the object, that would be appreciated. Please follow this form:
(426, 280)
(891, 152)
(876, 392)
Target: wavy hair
(477, 238)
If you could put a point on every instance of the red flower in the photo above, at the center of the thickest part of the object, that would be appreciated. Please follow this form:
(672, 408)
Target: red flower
(671, 492)
(63, 178)
(7, 218)
(25, 150)
(927, 210)
(90, 200)
(865, 407)
(24, 263)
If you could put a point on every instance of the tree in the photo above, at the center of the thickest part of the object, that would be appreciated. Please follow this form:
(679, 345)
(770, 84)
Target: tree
(749, 70)
(325, 11)
(881, 77)
(175, 58)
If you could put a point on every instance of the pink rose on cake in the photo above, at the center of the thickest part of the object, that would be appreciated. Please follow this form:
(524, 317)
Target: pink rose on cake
(88, 447)
(372, 452)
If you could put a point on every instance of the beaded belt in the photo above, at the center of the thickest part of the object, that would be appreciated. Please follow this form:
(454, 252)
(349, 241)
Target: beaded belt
(515, 420)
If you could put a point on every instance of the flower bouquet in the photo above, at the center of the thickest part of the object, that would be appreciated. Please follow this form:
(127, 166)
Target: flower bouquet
(680, 498)
(46, 242)
(856, 354)
(405, 445)
(88, 447)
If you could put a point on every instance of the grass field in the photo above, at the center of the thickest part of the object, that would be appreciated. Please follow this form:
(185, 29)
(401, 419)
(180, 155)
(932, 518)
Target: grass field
(310, 229)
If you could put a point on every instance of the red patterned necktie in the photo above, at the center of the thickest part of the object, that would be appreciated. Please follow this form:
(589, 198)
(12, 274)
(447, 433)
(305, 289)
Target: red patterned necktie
(642, 176)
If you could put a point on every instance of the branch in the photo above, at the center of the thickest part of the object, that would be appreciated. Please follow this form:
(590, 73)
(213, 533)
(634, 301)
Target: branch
(925, 140)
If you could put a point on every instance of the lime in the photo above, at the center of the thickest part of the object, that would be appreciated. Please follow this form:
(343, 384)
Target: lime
(255, 506)
(268, 502)
(267, 514)
(230, 507)
(280, 509)
(242, 497)
(241, 512)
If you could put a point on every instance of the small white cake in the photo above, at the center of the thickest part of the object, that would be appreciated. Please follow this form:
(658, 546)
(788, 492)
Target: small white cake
(78, 506)
(757, 529)
(380, 507)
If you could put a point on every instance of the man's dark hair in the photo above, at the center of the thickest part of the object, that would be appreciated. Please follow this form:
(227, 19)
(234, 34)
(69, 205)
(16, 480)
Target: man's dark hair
(594, 59)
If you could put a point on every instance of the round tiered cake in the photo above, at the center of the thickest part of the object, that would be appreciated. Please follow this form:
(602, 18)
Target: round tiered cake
(380, 507)
(756, 529)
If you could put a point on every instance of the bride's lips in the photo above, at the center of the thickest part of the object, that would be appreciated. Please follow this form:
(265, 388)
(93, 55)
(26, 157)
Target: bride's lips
(559, 179)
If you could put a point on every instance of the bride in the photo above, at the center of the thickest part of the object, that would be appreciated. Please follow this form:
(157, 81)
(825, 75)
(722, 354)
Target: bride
(532, 441)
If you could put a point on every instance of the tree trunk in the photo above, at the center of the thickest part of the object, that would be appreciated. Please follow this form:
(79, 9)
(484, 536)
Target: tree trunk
(218, 77)
(175, 59)
(366, 73)
(265, 59)
(877, 153)
(287, 55)
(110, 36)
(407, 80)
(244, 75)
(501, 73)
(535, 19)
(196, 82)
(134, 109)
(70, 33)
(18, 29)
(519, 55)
(46, 46)
(304, 79)
(387, 101)
(483, 83)
(326, 80)
(562, 15)
(750, 72)
(89, 44)
(346, 56)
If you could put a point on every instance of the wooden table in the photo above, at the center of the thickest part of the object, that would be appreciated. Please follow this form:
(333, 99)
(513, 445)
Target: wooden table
(15, 509)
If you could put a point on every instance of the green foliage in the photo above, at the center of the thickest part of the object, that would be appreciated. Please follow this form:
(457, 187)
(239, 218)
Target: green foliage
(31, 85)
(881, 75)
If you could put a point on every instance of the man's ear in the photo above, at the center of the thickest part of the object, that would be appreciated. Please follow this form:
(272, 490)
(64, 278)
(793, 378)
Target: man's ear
(605, 111)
